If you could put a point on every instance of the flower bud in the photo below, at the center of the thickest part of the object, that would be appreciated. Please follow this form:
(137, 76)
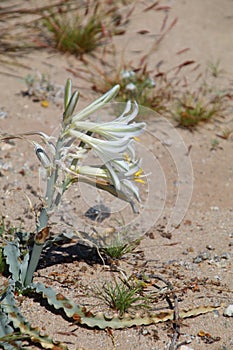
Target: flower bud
(42, 156)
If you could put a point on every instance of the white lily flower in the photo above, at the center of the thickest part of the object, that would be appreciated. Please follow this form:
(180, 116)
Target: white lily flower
(112, 153)
(118, 174)
(106, 149)
(113, 143)
(117, 128)
(111, 130)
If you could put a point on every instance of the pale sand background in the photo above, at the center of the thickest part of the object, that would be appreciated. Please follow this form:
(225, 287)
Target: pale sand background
(206, 27)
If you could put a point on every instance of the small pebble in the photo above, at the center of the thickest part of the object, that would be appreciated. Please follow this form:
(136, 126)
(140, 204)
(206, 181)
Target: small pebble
(6, 146)
(201, 257)
(3, 115)
(218, 278)
(225, 256)
(210, 247)
(228, 311)
(214, 208)
(216, 258)
(197, 259)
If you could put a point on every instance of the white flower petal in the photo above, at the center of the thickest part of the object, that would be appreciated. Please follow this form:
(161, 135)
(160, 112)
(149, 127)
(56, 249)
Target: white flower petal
(97, 104)
(92, 171)
(115, 179)
(114, 147)
(125, 117)
(111, 130)
(121, 165)
(132, 188)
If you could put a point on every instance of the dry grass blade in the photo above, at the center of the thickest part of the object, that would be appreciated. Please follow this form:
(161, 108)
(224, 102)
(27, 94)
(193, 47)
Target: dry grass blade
(7, 12)
(16, 20)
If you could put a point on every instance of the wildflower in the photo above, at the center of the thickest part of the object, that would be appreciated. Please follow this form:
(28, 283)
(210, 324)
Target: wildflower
(113, 143)
(131, 87)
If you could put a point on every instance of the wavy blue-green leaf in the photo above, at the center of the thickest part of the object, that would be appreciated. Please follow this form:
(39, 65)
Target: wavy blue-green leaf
(12, 253)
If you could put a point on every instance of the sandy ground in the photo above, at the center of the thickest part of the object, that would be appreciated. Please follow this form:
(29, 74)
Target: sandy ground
(197, 259)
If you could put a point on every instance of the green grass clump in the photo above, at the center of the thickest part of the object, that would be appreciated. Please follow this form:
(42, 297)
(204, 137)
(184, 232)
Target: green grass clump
(82, 29)
(122, 295)
(191, 112)
(72, 35)
(117, 249)
(200, 106)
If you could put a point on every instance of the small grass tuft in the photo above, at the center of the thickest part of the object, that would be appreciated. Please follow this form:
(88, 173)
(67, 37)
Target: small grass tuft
(82, 29)
(72, 35)
(215, 69)
(200, 106)
(191, 110)
(214, 144)
(117, 249)
(6, 230)
(122, 295)
(226, 133)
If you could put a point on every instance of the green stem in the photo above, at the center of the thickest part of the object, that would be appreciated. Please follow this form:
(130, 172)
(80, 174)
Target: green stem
(37, 249)
(53, 177)
(44, 217)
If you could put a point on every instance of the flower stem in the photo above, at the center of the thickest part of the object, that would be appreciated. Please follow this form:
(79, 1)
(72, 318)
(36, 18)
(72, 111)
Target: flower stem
(44, 217)
(37, 248)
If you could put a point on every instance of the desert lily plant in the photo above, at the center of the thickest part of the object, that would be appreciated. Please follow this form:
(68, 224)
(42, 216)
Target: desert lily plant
(111, 141)
(62, 160)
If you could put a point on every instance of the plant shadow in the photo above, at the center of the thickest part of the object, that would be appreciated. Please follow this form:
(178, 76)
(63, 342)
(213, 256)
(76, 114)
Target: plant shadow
(69, 253)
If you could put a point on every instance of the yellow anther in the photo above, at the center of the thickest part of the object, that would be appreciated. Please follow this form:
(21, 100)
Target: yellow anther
(140, 180)
(137, 176)
(139, 172)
